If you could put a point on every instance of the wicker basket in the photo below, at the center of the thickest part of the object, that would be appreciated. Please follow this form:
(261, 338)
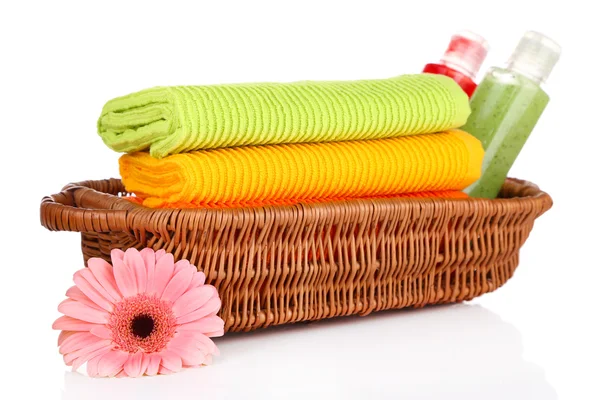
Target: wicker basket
(277, 265)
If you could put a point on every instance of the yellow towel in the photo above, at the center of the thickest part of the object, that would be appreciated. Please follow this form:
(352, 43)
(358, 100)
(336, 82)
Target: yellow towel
(284, 174)
(442, 194)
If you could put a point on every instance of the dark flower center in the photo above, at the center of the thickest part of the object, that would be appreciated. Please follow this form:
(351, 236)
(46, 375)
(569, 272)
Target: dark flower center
(142, 326)
(142, 323)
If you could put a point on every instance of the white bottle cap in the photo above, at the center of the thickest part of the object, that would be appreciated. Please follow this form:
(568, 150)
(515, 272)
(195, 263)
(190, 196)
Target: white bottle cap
(535, 56)
(465, 53)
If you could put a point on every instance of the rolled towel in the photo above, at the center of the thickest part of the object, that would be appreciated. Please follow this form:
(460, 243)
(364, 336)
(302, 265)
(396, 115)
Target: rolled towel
(170, 120)
(287, 174)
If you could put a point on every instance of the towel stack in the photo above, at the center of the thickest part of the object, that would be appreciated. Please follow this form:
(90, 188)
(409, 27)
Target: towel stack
(273, 143)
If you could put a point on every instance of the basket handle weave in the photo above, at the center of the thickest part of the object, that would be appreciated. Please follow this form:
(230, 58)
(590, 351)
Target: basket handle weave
(79, 208)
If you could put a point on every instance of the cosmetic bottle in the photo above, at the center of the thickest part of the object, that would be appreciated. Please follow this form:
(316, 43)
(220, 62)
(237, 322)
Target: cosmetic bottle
(506, 106)
(462, 60)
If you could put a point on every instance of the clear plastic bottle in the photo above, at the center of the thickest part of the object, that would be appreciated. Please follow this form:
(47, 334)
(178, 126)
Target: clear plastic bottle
(506, 106)
(462, 60)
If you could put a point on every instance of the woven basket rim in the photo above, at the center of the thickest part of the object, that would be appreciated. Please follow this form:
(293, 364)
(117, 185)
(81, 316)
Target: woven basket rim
(99, 206)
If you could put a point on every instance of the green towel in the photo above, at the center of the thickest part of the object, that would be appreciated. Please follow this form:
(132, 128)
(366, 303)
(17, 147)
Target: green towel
(169, 120)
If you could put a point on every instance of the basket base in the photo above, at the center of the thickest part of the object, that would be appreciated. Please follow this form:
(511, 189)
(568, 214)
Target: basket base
(320, 299)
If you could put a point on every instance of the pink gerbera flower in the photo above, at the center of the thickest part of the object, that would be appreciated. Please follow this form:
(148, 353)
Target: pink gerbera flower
(145, 314)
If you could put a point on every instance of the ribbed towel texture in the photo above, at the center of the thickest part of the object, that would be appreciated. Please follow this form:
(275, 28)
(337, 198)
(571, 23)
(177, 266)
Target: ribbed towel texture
(442, 194)
(284, 174)
(170, 120)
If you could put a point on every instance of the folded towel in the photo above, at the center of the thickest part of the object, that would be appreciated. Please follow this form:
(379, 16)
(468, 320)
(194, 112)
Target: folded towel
(284, 174)
(170, 120)
(442, 194)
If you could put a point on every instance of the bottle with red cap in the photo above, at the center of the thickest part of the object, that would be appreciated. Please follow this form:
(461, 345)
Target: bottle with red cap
(462, 60)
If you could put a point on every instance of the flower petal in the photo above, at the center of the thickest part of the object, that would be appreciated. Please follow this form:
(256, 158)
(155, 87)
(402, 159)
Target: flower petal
(163, 273)
(83, 359)
(159, 254)
(178, 285)
(75, 309)
(136, 263)
(211, 307)
(87, 350)
(153, 365)
(88, 284)
(217, 333)
(206, 343)
(148, 256)
(164, 371)
(121, 374)
(76, 294)
(63, 335)
(189, 356)
(145, 362)
(101, 331)
(208, 359)
(133, 365)
(89, 276)
(183, 339)
(125, 278)
(193, 299)
(204, 325)
(66, 323)
(150, 262)
(77, 341)
(198, 280)
(191, 327)
(212, 323)
(182, 264)
(116, 254)
(92, 365)
(103, 272)
(112, 362)
(170, 360)
(200, 341)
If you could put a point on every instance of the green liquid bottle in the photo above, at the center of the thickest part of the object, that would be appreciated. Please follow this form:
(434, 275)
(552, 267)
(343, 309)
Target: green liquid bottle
(506, 106)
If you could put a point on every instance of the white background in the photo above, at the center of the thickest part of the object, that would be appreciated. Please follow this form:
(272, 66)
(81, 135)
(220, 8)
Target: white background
(535, 338)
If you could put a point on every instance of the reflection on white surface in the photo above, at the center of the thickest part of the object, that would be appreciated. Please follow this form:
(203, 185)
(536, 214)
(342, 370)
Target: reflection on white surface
(459, 351)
